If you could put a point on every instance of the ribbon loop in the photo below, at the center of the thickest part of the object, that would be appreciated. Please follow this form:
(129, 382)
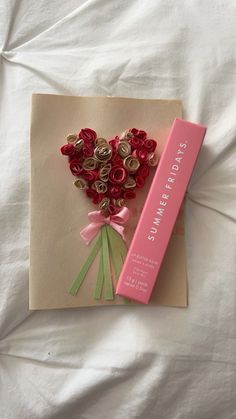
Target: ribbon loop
(98, 220)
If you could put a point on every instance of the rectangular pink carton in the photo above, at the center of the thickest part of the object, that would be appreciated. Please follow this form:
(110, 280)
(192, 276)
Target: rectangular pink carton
(153, 231)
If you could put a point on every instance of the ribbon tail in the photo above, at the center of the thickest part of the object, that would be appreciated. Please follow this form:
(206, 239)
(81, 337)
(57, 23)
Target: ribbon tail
(90, 231)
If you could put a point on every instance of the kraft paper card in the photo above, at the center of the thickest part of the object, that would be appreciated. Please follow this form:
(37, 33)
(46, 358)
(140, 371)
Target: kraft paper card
(59, 211)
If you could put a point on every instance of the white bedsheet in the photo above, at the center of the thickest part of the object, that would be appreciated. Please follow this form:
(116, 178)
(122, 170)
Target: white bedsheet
(122, 362)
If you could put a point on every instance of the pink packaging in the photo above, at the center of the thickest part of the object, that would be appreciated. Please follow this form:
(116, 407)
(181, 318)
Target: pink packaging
(160, 211)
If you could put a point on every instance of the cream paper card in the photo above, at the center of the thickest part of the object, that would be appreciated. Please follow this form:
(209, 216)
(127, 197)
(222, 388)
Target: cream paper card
(59, 210)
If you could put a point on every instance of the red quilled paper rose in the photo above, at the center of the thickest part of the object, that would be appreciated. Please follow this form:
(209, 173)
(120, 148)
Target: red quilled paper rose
(142, 135)
(90, 175)
(117, 175)
(87, 134)
(112, 210)
(141, 154)
(140, 181)
(87, 151)
(136, 143)
(129, 195)
(114, 191)
(150, 145)
(68, 150)
(143, 171)
(114, 143)
(75, 167)
(116, 160)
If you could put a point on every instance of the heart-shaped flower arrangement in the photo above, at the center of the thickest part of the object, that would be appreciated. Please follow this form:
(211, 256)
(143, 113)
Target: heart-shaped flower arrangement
(109, 172)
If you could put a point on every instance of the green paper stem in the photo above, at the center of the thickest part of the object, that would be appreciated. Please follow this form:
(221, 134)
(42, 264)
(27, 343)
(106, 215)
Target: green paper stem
(106, 266)
(120, 243)
(115, 251)
(83, 271)
(100, 280)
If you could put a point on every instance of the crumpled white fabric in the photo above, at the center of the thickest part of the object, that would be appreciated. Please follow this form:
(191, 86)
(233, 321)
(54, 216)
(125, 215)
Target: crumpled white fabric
(122, 362)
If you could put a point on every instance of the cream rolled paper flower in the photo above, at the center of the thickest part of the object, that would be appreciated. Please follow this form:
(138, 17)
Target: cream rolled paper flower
(104, 172)
(80, 183)
(120, 202)
(126, 135)
(104, 204)
(71, 138)
(152, 159)
(103, 152)
(131, 163)
(129, 183)
(90, 163)
(100, 186)
(79, 144)
(124, 148)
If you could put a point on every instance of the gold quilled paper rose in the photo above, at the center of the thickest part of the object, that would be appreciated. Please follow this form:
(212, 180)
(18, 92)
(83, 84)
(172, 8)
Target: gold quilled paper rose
(103, 152)
(120, 202)
(104, 172)
(80, 183)
(100, 186)
(152, 159)
(131, 163)
(71, 138)
(124, 148)
(90, 163)
(129, 183)
(104, 204)
(79, 144)
(126, 135)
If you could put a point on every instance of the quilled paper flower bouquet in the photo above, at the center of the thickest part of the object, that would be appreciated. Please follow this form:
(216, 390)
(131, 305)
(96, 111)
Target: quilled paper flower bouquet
(109, 173)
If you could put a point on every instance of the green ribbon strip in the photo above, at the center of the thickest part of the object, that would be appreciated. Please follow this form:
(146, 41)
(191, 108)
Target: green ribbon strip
(106, 266)
(100, 280)
(115, 251)
(118, 252)
(117, 242)
(83, 271)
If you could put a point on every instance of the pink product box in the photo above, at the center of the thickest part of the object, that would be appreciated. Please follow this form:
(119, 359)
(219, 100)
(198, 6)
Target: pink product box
(160, 211)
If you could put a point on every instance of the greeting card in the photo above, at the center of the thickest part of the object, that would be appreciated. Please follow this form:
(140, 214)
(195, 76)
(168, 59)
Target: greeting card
(92, 162)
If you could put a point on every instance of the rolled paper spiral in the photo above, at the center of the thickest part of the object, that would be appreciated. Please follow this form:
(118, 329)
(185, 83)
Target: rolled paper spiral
(124, 148)
(104, 172)
(120, 202)
(79, 144)
(100, 187)
(104, 204)
(90, 163)
(80, 183)
(126, 135)
(131, 163)
(71, 138)
(129, 183)
(152, 159)
(103, 152)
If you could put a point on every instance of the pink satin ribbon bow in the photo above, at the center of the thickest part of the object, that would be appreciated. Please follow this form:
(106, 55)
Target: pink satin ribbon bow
(98, 220)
